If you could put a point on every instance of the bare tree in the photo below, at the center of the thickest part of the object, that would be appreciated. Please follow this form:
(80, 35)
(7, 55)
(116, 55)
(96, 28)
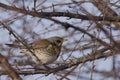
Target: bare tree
(91, 27)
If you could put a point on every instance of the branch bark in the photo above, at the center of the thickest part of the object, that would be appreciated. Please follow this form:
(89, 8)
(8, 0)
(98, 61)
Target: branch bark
(8, 69)
(59, 14)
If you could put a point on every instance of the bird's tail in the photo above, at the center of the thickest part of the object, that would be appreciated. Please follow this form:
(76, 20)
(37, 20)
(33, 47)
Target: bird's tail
(13, 45)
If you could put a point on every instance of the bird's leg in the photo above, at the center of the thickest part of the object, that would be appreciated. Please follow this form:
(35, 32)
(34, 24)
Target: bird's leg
(38, 67)
(46, 67)
(42, 67)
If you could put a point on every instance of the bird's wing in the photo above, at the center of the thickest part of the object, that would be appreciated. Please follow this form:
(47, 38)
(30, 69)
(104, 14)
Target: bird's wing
(35, 45)
(38, 44)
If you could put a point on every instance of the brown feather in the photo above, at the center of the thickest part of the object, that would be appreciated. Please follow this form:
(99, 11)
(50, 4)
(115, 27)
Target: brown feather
(41, 43)
(34, 45)
(13, 45)
(44, 51)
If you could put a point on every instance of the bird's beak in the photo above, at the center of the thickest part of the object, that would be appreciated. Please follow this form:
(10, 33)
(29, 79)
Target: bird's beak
(64, 40)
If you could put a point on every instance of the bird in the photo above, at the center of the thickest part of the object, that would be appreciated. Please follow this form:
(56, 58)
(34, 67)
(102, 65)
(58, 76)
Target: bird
(44, 51)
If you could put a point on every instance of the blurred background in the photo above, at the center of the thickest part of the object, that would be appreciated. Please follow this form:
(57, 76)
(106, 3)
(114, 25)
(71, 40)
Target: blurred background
(91, 27)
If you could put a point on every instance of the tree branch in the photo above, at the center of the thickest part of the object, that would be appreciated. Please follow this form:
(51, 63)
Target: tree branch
(59, 14)
(8, 69)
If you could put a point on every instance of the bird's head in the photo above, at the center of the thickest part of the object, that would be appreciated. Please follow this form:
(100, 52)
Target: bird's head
(57, 40)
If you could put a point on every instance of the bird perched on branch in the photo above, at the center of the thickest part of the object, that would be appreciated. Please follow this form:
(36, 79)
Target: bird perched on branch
(44, 51)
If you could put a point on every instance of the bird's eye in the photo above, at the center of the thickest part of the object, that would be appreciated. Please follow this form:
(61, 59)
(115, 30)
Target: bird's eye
(58, 41)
